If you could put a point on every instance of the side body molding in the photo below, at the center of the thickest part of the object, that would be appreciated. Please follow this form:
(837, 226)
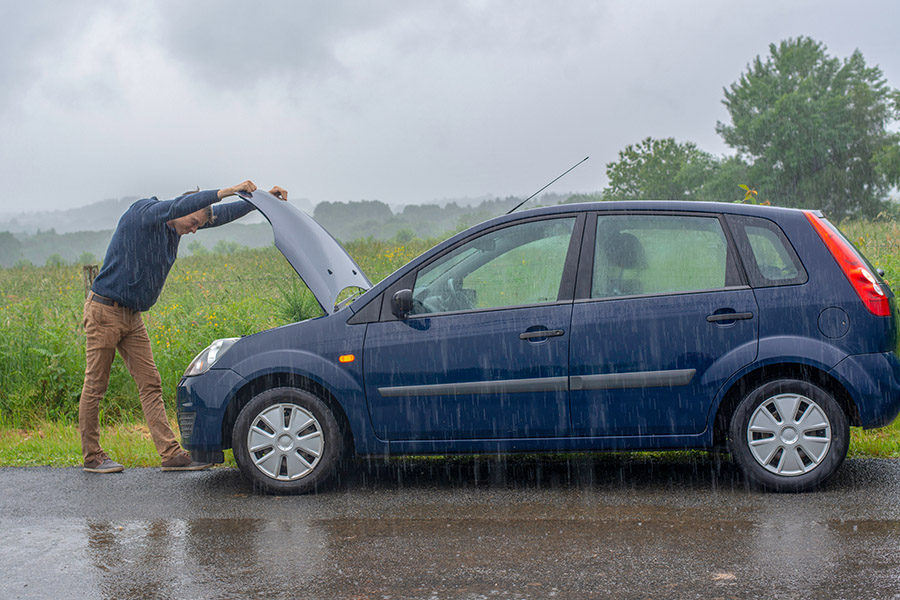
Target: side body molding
(640, 379)
(606, 381)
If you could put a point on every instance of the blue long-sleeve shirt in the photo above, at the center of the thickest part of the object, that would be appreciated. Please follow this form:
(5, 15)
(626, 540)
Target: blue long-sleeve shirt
(144, 247)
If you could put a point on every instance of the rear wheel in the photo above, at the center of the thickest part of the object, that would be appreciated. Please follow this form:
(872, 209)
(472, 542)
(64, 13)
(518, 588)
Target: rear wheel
(789, 435)
(287, 441)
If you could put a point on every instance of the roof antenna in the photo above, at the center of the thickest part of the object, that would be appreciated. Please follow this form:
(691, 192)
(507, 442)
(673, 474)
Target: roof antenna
(546, 186)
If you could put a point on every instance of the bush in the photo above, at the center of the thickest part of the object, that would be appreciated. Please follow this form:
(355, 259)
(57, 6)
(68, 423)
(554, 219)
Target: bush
(55, 260)
(227, 247)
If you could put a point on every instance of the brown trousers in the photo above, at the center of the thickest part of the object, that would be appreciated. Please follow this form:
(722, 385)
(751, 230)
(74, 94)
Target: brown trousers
(111, 328)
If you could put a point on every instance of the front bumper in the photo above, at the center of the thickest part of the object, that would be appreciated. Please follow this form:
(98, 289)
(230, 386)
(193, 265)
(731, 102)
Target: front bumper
(200, 404)
(873, 381)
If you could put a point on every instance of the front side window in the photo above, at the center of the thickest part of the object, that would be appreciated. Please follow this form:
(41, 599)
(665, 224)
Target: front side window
(659, 254)
(516, 265)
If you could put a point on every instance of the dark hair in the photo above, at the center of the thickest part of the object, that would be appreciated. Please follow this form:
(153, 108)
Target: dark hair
(207, 210)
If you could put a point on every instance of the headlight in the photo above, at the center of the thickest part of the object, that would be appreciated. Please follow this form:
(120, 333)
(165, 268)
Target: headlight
(203, 361)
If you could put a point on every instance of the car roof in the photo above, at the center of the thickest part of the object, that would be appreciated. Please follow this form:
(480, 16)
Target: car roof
(662, 205)
(770, 212)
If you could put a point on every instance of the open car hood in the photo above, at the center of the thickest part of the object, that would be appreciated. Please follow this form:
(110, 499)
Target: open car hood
(318, 258)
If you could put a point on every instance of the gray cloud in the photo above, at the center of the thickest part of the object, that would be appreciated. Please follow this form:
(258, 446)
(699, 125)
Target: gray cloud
(33, 33)
(235, 43)
(404, 101)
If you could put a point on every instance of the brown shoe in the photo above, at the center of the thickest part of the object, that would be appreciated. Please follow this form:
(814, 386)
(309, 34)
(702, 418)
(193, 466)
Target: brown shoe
(103, 465)
(184, 462)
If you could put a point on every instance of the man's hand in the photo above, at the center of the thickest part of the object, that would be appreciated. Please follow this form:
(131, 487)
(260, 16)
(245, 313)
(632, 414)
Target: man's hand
(279, 193)
(247, 186)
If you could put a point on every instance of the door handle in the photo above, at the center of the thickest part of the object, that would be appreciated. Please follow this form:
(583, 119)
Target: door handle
(541, 333)
(732, 316)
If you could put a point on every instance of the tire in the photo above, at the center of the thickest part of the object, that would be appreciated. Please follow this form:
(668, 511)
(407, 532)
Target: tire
(287, 441)
(789, 435)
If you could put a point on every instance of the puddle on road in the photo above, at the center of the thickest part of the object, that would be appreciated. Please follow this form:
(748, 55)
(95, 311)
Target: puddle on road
(440, 551)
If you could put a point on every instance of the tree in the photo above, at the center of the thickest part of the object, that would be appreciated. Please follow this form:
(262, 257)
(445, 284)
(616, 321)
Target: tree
(659, 170)
(404, 235)
(227, 247)
(589, 197)
(10, 249)
(723, 183)
(56, 260)
(815, 129)
(197, 248)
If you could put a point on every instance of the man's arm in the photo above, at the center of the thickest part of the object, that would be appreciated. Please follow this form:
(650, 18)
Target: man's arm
(156, 211)
(226, 213)
(167, 210)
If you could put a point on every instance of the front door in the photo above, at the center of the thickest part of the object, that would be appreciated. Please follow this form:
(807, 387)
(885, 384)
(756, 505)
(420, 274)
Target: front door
(484, 354)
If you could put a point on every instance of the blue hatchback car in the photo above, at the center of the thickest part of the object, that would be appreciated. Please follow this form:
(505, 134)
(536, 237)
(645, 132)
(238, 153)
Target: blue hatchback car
(601, 326)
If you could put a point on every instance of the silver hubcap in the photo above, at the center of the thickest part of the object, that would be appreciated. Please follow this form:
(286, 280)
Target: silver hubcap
(285, 442)
(789, 434)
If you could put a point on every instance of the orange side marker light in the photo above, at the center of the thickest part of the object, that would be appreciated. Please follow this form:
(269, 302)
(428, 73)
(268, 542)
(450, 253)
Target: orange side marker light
(346, 358)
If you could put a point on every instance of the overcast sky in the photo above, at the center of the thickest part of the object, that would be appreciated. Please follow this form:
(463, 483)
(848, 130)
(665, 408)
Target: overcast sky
(401, 101)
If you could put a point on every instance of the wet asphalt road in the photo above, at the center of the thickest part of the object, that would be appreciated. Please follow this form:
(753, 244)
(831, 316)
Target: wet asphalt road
(605, 527)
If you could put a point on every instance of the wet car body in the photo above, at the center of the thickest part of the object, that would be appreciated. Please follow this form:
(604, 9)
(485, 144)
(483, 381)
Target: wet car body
(660, 325)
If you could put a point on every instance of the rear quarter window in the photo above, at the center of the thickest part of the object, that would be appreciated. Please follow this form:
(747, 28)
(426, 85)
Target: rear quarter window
(768, 256)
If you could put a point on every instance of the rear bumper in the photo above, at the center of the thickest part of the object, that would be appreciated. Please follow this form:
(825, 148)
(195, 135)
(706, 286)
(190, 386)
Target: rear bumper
(873, 381)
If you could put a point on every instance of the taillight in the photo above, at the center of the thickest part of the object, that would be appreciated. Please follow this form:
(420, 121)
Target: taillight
(861, 278)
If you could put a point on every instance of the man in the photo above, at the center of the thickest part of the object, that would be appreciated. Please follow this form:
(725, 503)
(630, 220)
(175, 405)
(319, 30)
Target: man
(138, 259)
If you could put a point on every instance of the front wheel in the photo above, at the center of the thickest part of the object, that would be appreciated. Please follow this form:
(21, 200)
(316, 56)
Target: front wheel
(287, 441)
(789, 435)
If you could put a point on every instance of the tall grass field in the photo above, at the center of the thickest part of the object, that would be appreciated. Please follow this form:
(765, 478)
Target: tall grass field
(214, 296)
(205, 297)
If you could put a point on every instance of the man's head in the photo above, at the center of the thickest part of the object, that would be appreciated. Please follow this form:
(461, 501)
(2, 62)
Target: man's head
(192, 222)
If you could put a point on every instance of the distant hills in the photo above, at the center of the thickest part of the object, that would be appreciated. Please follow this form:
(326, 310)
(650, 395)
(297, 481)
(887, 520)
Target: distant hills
(98, 216)
(93, 217)
(81, 235)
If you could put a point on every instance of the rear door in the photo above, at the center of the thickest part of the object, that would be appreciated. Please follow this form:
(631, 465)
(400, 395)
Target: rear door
(663, 317)
(484, 355)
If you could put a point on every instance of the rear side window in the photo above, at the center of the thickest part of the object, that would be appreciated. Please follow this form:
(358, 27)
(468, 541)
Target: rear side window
(660, 254)
(769, 258)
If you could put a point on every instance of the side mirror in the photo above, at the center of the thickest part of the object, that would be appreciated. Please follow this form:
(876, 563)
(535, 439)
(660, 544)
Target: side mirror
(402, 303)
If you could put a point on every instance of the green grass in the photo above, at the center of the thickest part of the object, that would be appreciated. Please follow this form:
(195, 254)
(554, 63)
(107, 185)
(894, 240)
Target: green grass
(875, 443)
(58, 444)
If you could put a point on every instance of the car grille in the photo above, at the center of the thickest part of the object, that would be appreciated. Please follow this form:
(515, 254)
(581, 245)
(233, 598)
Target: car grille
(186, 424)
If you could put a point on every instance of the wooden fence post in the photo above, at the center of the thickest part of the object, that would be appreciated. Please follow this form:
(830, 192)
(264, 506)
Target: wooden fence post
(88, 272)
